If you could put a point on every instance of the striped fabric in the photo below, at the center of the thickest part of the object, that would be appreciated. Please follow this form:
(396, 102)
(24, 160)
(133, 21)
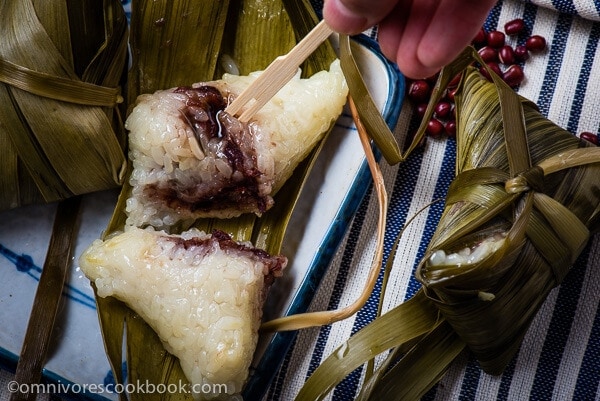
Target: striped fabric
(560, 357)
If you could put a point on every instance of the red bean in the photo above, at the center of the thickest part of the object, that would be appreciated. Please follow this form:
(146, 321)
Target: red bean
(443, 109)
(521, 53)
(411, 137)
(590, 137)
(419, 91)
(420, 109)
(479, 39)
(495, 39)
(435, 128)
(450, 94)
(535, 43)
(488, 54)
(513, 75)
(450, 128)
(506, 55)
(433, 79)
(514, 27)
(494, 67)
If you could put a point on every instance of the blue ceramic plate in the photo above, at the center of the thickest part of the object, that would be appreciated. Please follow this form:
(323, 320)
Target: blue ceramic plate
(332, 195)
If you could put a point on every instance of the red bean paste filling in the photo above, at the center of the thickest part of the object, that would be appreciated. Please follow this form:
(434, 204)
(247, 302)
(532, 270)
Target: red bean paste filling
(241, 191)
(206, 245)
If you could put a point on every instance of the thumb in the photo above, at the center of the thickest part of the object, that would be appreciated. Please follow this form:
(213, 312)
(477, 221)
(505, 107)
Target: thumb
(354, 16)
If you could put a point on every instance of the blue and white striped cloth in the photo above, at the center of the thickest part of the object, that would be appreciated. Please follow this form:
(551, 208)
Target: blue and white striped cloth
(560, 357)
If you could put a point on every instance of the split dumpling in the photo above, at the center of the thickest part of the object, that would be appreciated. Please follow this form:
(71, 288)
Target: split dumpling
(192, 160)
(201, 293)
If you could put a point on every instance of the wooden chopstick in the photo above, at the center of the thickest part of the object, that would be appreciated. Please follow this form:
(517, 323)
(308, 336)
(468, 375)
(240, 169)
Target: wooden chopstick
(277, 74)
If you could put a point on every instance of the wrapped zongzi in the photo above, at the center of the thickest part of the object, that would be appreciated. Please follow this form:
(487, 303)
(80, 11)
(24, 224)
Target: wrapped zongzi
(522, 229)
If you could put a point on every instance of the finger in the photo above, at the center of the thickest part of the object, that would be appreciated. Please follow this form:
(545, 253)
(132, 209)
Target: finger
(435, 33)
(354, 16)
(452, 28)
(400, 33)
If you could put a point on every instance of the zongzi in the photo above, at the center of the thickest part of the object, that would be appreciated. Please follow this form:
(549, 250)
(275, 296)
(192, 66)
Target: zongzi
(524, 203)
(191, 159)
(201, 293)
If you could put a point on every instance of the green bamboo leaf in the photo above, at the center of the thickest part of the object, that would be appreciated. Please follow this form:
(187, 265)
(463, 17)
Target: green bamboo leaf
(422, 367)
(370, 116)
(174, 43)
(417, 315)
(249, 20)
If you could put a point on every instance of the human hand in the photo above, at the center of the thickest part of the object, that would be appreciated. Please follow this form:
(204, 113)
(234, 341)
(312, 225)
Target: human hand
(421, 36)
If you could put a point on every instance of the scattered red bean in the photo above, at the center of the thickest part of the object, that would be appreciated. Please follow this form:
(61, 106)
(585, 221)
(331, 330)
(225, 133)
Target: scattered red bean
(514, 27)
(450, 128)
(419, 91)
(496, 39)
(435, 128)
(499, 56)
(513, 75)
(590, 137)
(411, 136)
(455, 81)
(488, 54)
(506, 55)
(433, 79)
(521, 53)
(535, 43)
(492, 66)
(450, 95)
(480, 38)
(443, 109)
(421, 108)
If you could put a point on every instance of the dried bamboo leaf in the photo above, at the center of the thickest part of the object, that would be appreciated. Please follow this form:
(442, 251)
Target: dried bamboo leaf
(47, 298)
(50, 113)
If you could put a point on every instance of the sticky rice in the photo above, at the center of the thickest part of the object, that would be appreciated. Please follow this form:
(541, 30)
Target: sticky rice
(191, 159)
(202, 294)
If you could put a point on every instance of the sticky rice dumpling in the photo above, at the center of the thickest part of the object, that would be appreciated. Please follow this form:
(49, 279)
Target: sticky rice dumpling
(517, 215)
(191, 159)
(201, 293)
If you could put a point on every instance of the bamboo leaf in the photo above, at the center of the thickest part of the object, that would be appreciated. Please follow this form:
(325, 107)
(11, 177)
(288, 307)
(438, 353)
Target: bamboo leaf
(248, 53)
(47, 298)
(369, 114)
(421, 367)
(174, 43)
(64, 128)
(417, 315)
